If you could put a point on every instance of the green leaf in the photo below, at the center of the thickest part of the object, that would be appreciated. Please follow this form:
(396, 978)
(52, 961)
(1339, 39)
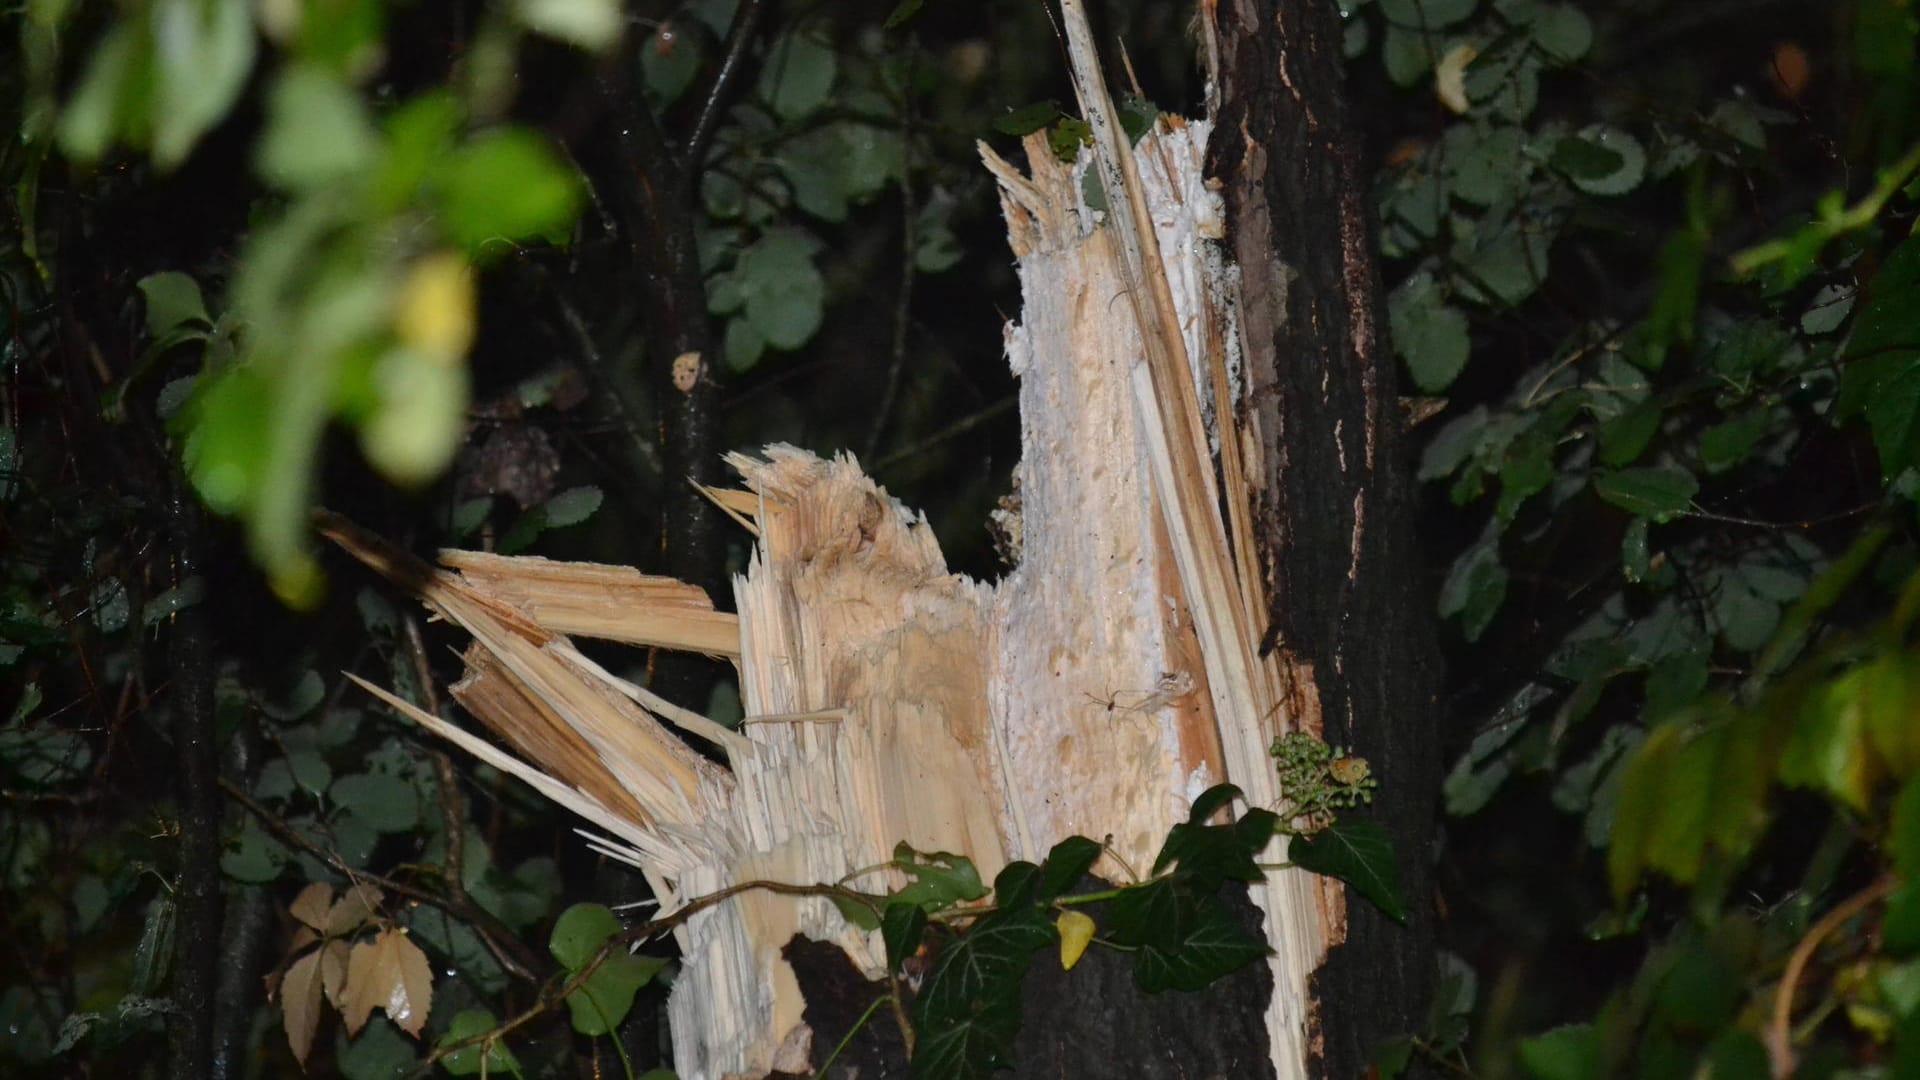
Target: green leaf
(153, 953)
(1880, 376)
(1426, 14)
(1428, 333)
(203, 51)
(254, 858)
(798, 75)
(318, 131)
(1213, 946)
(1066, 863)
(590, 24)
(472, 1060)
(744, 345)
(857, 913)
(783, 291)
(1828, 748)
(598, 1005)
(1562, 31)
(1475, 587)
(1903, 832)
(1696, 784)
(1488, 166)
(1404, 54)
(1658, 492)
(385, 803)
(1159, 910)
(1358, 853)
(1625, 437)
(117, 73)
(1014, 885)
(983, 967)
(40, 755)
(1572, 1052)
(507, 184)
(940, 879)
(972, 1047)
(902, 13)
(1727, 444)
(572, 506)
(579, 932)
(1601, 160)
(1028, 118)
(173, 300)
(668, 62)
(379, 1053)
(900, 928)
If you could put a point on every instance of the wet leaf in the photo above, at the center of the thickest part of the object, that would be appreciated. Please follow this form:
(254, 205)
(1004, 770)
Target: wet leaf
(389, 973)
(300, 999)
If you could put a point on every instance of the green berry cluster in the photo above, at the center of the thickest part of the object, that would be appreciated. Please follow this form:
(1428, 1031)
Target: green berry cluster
(1316, 780)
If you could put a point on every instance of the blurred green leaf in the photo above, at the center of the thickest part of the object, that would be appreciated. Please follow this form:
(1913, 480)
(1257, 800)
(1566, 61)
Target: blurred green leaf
(1572, 1052)
(669, 61)
(1475, 587)
(507, 184)
(317, 133)
(590, 24)
(203, 52)
(173, 300)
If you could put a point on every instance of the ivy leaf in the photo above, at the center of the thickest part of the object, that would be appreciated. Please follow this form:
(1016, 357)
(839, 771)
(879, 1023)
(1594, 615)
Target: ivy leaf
(1014, 885)
(598, 1005)
(982, 968)
(1066, 863)
(900, 928)
(972, 1047)
(1358, 853)
(1657, 493)
(941, 879)
(579, 932)
(1212, 946)
(1076, 930)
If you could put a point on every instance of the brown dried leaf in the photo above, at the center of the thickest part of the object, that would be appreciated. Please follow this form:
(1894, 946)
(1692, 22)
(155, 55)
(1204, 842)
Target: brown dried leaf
(310, 907)
(356, 905)
(300, 1005)
(333, 972)
(392, 973)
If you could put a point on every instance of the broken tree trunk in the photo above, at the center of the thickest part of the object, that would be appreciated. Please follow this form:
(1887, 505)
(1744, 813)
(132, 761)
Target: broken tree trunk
(1114, 674)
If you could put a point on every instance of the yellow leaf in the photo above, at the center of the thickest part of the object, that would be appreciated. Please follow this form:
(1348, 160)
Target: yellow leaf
(300, 1004)
(389, 972)
(333, 973)
(1450, 77)
(311, 905)
(1076, 930)
(435, 315)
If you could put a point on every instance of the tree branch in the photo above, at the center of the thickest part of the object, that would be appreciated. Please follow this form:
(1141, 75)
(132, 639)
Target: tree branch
(725, 80)
(197, 955)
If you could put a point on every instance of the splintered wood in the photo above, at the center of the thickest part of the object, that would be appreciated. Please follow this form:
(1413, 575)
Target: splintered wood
(1110, 677)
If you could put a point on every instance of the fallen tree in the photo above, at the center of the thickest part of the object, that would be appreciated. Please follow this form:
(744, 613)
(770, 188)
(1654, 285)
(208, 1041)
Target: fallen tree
(1211, 553)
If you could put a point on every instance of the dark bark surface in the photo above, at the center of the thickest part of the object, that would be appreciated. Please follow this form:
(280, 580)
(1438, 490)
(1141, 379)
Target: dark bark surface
(1346, 601)
(198, 950)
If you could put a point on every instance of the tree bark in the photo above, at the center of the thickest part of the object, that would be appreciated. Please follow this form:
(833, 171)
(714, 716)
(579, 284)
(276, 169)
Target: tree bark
(1335, 516)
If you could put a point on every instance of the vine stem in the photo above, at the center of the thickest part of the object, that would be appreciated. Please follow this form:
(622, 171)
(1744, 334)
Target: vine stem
(841, 1046)
(1779, 1030)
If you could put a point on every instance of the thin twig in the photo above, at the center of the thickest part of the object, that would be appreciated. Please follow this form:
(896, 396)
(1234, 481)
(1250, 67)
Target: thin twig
(957, 428)
(554, 994)
(1779, 1038)
(909, 248)
(739, 36)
